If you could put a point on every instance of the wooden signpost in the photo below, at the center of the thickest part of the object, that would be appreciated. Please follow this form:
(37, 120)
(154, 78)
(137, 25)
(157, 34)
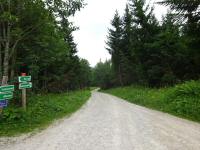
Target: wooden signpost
(24, 83)
(6, 91)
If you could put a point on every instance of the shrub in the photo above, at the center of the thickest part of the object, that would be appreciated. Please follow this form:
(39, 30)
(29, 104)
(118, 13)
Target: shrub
(41, 111)
(181, 100)
(14, 115)
(189, 88)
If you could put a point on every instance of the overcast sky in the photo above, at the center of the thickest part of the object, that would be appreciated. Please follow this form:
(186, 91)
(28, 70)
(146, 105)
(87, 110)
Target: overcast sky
(94, 21)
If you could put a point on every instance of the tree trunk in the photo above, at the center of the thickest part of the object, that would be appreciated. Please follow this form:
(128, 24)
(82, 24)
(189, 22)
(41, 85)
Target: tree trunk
(5, 65)
(6, 55)
(45, 81)
(6, 52)
(120, 76)
(12, 73)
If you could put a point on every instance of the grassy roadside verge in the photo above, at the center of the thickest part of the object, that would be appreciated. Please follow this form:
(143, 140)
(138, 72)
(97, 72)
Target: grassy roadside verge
(42, 110)
(182, 100)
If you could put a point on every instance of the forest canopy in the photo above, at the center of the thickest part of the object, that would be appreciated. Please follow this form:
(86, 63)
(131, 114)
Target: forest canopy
(38, 34)
(149, 52)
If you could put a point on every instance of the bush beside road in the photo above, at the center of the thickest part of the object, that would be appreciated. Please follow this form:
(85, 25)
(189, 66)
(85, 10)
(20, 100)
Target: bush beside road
(42, 110)
(182, 100)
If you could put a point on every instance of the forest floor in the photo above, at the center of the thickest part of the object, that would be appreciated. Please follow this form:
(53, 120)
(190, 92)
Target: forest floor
(110, 123)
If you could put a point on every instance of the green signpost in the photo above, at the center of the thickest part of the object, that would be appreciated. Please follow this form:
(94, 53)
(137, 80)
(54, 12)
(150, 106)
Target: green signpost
(24, 78)
(25, 85)
(6, 92)
(7, 88)
(4, 96)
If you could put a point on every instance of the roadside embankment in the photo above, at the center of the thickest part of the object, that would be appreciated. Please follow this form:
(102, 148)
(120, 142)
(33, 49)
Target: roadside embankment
(42, 110)
(182, 100)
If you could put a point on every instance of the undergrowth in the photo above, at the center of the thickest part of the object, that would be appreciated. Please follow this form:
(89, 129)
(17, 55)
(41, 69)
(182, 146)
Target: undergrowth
(41, 111)
(182, 100)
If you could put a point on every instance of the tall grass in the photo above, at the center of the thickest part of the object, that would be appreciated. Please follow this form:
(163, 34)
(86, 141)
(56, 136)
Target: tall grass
(41, 111)
(182, 100)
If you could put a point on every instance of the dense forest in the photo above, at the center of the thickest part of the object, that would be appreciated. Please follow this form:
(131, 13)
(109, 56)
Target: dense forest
(152, 53)
(148, 57)
(37, 35)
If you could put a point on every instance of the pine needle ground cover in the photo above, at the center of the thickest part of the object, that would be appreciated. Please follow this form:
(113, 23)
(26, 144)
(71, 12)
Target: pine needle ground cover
(42, 111)
(182, 100)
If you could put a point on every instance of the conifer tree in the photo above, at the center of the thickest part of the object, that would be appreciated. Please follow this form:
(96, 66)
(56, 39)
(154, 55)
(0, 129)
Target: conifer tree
(114, 43)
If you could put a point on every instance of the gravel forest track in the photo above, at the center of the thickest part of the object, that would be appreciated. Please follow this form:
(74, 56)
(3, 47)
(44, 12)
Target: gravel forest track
(109, 123)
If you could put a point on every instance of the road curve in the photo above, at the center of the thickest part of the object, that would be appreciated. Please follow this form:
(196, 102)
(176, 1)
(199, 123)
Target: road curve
(109, 123)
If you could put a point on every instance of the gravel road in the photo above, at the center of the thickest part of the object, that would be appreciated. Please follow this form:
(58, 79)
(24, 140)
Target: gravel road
(109, 123)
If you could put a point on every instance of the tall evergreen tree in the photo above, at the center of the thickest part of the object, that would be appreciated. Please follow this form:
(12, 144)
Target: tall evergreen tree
(114, 43)
(103, 75)
(127, 47)
(152, 53)
(32, 34)
(189, 12)
(146, 29)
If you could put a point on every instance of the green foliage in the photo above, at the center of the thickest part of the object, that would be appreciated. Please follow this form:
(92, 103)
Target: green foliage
(43, 42)
(147, 52)
(188, 12)
(14, 114)
(41, 111)
(102, 75)
(189, 88)
(182, 100)
(183, 6)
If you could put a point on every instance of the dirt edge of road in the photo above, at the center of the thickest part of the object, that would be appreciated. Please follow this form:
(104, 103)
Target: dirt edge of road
(23, 137)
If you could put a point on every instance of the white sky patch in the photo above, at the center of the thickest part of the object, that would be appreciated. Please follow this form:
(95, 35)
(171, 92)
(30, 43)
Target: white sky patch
(94, 21)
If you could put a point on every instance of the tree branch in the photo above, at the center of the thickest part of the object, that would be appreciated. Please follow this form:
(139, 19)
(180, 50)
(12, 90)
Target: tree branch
(23, 35)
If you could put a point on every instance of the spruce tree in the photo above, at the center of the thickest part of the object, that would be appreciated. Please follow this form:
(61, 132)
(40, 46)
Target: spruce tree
(146, 28)
(189, 12)
(114, 43)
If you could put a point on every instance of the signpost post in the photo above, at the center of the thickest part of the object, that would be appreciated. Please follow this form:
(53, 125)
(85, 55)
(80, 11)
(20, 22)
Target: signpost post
(24, 83)
(24, 99)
